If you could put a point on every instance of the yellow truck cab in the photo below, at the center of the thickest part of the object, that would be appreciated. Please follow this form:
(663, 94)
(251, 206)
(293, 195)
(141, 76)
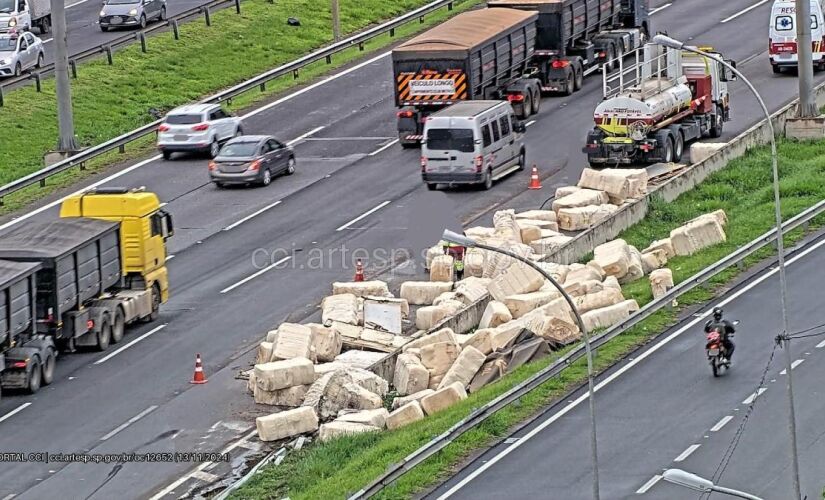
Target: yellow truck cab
(144, 228)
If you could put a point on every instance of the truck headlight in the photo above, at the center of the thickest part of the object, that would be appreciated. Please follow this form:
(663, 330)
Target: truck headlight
(133, 12)
(102, 13)
(12, 22)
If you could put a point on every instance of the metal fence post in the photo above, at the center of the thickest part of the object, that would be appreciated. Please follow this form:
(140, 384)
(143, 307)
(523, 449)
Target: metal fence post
(174, 23)
(450, 6)
(206, 16)
(73, 67)
(38, 82)
(142, 38)
(237, 6)
(108, 50)
(2, 98)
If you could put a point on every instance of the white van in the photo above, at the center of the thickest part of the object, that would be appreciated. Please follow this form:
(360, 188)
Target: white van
(782, 33)
(472, 142)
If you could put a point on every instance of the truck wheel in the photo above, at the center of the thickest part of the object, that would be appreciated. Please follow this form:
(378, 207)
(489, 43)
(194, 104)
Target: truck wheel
(579, 79)
(527, 106)
(718, 123)
(45, 25)
(155, 304)
(522, 160)
(668, 154)
(118, 326)
(611, 54)
(776, 69)
(35, 373)
(104, 335)
(536, 102)
(48, 367)
(678, 147)
(432, 186)
(570, 87)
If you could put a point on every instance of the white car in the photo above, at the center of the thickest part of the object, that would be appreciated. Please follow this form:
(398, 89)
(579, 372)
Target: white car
(198, 128)
(19, 52)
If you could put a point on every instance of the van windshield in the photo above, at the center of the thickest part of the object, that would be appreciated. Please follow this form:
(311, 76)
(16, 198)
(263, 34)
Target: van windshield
(453, 139)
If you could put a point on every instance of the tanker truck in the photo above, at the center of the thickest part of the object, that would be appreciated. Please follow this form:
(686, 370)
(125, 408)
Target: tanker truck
(77, 281)
(656, 105)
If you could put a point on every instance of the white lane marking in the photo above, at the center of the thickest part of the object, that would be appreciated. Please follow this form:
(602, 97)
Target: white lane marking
(750, 399)
(657, 9)
(254, 214)
(820, 345)
(170, 257)
(11, 495)
(318, 84)
(653, 480)
(130, 344)
(129, 422)
(721, 423)
(793, 365)
(622, 370)
(304, 136)
(76, 4)
(365, 214)
(201, 467)
(743, 11)
(157, 157)
(14, 411)
(529, 123)
(253, 276)
(688, 452)
(385, 146)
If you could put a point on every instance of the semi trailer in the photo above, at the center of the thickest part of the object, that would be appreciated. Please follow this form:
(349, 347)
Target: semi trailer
(658, 104)
(514, 50)
(78, 281)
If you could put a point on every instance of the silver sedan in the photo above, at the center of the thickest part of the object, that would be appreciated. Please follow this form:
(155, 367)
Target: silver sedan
(19, 52)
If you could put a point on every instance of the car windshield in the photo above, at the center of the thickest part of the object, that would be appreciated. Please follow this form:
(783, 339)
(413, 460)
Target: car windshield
(117, 2)
(8, 44)
(183, 119)
(239, 149)
(7, 6)
(453, 139)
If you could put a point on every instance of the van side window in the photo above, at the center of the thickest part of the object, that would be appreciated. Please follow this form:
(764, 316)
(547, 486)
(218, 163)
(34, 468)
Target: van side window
(505, 125)
(496, 135)
(157, 229)
(784, 23)
(814, 23)
(485, 135)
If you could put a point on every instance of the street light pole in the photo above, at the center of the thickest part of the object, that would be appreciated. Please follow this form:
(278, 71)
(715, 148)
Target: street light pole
(336, 21)
(698, 483)
(780, 244)
(805, 64)
(65, 121)
(460, 239)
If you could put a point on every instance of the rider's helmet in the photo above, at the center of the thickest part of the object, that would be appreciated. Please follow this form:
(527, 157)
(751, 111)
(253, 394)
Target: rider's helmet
(717, 313)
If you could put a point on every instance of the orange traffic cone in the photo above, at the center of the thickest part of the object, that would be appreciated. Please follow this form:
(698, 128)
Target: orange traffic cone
(359, 271)
(198, 377)
(535, 183)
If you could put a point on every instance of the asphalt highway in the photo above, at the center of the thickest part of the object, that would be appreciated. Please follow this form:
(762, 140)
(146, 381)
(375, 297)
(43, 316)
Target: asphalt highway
(354, 188)
(662, 408)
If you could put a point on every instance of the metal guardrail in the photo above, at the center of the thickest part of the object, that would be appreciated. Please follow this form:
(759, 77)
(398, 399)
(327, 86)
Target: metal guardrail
(479, 415)
(259, 81)
(107, 48)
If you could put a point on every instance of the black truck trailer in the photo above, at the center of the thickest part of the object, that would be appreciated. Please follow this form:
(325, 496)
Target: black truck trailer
(514, 50)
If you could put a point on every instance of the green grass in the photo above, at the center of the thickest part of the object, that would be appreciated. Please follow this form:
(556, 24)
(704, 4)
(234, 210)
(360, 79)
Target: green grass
(111, 100)
(343, 466)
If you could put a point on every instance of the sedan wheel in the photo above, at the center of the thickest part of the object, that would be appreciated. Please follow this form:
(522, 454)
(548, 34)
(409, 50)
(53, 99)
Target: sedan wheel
(162, 16)
(39, 61)
(267, 178)
(142, 21)
(214, 148)
(290, 166)
(17, 69)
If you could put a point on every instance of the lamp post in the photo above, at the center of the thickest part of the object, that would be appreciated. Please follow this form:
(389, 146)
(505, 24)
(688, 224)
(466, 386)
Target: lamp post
(460, 239)
(780, 244)
(698, 483)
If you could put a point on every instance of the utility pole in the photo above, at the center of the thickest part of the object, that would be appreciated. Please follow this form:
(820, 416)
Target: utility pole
(807, 102)
(65, 121)
(336, 22)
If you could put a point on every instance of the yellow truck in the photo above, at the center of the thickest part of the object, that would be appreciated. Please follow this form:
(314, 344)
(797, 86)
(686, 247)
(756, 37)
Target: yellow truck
(79, 280)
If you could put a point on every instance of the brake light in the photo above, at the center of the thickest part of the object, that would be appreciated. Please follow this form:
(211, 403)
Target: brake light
(602, 54)
(90, 324)
(213, 165)
(515, 97)
(479, 163)
(405, 114)
(201, 127)
(19, 364)
(255, 165)
(50, 315)
(560, 63)
(163, 128)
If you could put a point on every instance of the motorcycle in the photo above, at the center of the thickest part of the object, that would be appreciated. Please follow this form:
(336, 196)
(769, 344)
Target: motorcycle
(715, 349)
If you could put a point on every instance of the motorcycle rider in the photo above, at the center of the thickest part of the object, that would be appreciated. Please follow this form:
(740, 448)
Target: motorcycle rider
(724, 326)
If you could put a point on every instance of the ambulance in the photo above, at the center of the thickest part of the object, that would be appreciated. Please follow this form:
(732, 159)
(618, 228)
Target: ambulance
(782, 33)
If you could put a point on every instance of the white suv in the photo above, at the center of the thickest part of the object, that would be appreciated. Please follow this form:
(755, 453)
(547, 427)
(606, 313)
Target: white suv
(197, 127)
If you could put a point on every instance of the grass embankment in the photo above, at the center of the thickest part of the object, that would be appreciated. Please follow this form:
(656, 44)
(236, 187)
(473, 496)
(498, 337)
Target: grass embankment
(743, 190)
(111, 100)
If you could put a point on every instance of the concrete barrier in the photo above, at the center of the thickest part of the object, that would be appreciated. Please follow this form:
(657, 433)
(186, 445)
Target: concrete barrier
(634, 212)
